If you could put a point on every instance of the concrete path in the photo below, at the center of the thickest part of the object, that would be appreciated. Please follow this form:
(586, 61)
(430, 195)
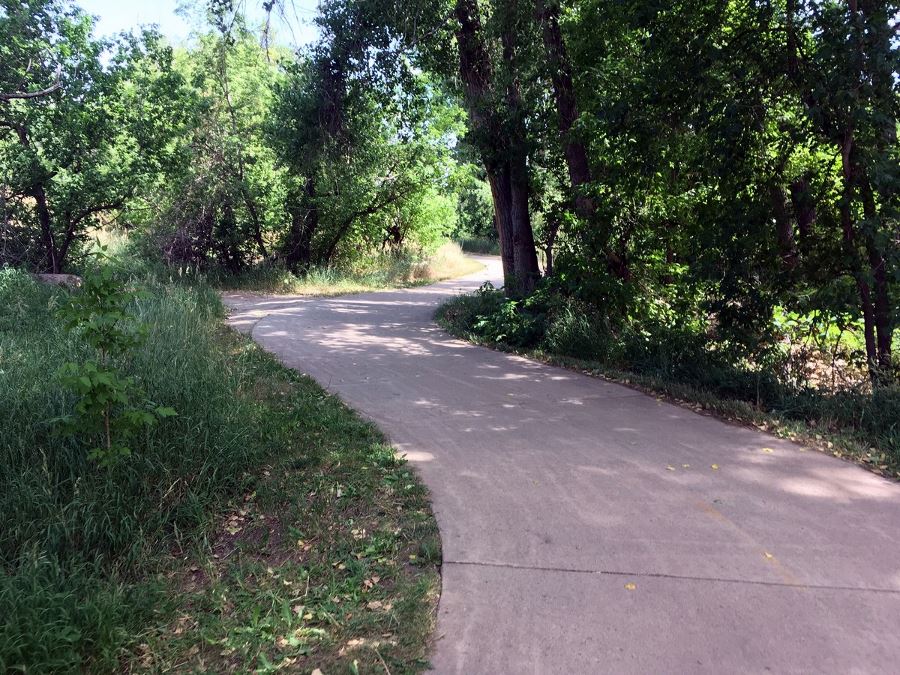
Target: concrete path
(588, 528)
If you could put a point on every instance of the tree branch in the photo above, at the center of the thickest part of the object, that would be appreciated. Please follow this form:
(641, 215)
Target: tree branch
(35, 94)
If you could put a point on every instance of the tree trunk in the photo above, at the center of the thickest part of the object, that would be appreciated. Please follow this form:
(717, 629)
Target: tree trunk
(501, 196)
(525, 262)
(566, 105)
(250, 203)
(501, 146)
(877, 320)
(852, 250)
(784, 226)
(574, 149)
(297, 247)
(53, 262)
(884, 329)
(552, 229)
(804, 207)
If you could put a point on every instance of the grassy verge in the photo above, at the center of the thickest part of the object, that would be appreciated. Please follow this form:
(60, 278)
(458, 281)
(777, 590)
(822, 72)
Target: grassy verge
(265, 527)
(861, 427)
(373, 273)
(480, 245)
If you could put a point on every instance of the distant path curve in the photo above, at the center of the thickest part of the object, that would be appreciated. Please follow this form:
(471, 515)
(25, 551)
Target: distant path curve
(588, 528)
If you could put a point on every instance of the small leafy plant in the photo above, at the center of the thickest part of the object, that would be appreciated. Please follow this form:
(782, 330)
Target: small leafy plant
(111, 408)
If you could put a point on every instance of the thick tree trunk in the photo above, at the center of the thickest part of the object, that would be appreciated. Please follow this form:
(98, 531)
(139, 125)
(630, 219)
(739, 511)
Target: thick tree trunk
(525, 262)
(501, 196)
(501, 146)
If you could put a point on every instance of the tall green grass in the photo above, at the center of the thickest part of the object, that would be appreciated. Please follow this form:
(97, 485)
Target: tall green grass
(100, 569)
(75, 538)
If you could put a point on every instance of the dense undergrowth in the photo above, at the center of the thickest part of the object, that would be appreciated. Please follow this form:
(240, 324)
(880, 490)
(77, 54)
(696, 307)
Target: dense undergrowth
(779, 387)
(384, 269)
(483, 245)
(266, 524)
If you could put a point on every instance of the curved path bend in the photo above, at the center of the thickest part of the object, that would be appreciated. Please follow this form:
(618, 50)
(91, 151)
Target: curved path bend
(589, 528)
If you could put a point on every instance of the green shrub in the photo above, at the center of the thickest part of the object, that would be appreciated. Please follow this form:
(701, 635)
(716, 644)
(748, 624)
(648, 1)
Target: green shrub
(575, 330)
(465, 311)
(109, 411)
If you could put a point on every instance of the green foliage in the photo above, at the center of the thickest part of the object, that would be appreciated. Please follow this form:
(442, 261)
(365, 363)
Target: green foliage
(223, 201)
(512, 322)
(476, 212)
(75, 542)
(732, 199)
(101, 132)
(98, 313)
(91, 561)
(369, 169)
(108, 407)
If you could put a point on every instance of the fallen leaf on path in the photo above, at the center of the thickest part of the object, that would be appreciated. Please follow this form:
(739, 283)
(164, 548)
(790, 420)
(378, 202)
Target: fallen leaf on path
(670, 468)
(715, 467)
(630, 586)
(768, 450)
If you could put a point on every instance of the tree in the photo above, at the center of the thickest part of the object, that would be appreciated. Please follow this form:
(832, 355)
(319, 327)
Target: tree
(77, 138)
(367, 158)
(223, 202)
(842, 59)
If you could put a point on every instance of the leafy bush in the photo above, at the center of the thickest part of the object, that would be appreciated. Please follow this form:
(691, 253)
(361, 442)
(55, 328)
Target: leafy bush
(107, 410)
(576, 330)
(467, 310)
